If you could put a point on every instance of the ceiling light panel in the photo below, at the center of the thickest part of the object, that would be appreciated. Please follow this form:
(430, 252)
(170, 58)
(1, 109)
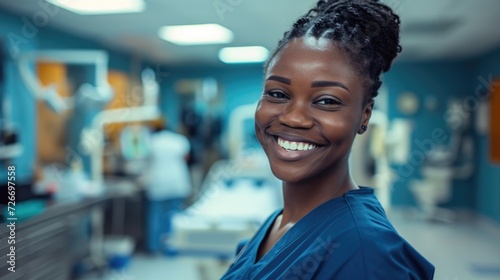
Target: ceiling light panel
(99, 7)
(252, 54)
(199, 34)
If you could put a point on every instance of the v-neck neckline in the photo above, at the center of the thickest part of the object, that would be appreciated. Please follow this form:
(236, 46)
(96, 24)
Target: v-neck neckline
(269, 225)
(293, 233)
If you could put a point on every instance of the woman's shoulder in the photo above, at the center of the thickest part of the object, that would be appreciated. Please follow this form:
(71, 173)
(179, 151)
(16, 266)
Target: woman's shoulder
(370, 221)
(366, 210)
(378, 243)
(357, 218)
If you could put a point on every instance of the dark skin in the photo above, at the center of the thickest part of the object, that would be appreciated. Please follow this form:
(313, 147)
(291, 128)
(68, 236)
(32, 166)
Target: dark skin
(311, 109)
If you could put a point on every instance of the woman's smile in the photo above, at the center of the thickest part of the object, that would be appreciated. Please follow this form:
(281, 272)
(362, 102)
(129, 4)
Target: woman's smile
(289, 150)
(295, 146)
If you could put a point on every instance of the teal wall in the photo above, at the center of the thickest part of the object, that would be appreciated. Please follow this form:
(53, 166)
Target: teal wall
(23, 104)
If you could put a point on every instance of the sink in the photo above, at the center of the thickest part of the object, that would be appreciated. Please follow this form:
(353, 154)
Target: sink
(437, 172)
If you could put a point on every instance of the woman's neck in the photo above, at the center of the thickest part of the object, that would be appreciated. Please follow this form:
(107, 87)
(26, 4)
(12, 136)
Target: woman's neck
(302, 197)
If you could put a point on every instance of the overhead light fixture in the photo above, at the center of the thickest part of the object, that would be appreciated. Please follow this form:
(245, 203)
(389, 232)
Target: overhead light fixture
(251, 54)
(98, 7)
(198, 34)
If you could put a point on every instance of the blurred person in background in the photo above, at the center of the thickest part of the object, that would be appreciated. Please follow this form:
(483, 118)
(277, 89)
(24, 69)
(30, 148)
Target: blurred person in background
(168, 183)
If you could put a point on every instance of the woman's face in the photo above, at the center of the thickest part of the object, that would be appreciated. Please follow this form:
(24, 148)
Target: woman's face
(310, 111)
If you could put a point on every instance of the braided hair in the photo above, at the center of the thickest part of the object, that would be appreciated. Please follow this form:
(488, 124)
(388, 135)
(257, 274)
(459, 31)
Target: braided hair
(367, 30)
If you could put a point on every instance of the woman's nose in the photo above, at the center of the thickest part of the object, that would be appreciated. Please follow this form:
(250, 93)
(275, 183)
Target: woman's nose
(297, 115)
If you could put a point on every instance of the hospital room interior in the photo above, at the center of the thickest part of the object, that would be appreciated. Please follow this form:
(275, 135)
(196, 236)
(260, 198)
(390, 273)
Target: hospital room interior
(128, 145)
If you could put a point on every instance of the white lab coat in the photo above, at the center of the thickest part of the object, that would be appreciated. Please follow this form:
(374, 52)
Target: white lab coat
(169, 174)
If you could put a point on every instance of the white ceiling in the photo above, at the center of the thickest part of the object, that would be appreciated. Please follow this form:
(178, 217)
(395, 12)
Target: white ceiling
(444, 29)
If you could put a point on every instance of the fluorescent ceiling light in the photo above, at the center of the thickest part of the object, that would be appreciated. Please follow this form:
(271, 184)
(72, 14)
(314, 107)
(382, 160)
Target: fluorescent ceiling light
(243, 54)
(96, 7)
(199, 34)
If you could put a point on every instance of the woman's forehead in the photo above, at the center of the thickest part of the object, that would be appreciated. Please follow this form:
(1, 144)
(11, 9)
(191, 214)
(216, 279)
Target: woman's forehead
(311, 53)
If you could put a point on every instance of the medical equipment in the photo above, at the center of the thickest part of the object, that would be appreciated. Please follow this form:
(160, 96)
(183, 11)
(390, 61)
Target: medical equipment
(86, 96)
(445, 164)
(399, 140)
(237, 134)
(98, 59)
(92, 137)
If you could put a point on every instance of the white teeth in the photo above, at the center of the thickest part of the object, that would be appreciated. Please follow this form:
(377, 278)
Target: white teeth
(293, 146)
(286, 145)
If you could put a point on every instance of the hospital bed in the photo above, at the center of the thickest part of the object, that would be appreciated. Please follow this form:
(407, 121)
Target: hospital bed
(237, 196)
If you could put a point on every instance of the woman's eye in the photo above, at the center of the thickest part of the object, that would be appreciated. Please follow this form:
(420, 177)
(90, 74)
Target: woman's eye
(276, 94)
(328, 101)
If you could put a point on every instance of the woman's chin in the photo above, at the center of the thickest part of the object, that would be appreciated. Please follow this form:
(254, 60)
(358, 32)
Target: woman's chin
(288, 175)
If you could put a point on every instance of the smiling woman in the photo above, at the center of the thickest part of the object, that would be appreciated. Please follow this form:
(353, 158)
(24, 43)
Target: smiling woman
(318, 94)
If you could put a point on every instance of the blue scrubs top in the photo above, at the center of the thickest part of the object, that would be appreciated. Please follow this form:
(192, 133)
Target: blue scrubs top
(348, 237)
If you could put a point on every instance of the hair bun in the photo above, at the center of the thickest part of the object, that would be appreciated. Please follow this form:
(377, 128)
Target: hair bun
(324, 7)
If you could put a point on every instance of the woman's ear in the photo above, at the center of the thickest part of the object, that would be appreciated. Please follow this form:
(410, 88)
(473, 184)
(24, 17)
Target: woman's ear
(365, 118)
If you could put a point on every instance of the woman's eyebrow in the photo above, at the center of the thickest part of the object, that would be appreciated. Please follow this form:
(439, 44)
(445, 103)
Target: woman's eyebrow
(329, 84)
(280, 79)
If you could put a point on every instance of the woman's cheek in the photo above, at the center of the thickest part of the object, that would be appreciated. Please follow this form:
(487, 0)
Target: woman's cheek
(259, 122)
(262, 114)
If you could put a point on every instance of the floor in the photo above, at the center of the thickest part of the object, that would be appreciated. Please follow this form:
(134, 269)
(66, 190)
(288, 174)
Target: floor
(468, 249)
(145, 267)
(465, 250)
